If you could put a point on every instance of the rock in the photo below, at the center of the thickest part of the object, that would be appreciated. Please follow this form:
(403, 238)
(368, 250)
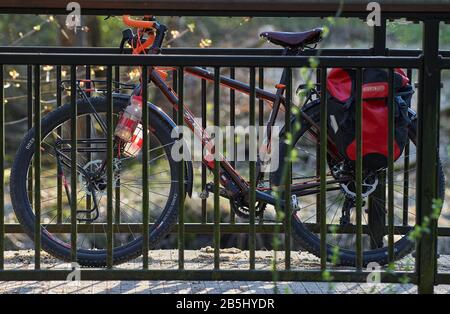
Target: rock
(231, 250)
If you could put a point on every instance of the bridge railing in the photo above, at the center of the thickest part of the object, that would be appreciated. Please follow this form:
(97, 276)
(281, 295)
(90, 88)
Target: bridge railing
(427, 64)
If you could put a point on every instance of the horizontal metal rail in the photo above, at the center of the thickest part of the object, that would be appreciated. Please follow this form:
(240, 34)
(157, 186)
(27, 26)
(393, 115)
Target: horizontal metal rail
(211, 61)
(207, 274)
(263, 8)
(208, 228)
(219, 51)
(444, 63)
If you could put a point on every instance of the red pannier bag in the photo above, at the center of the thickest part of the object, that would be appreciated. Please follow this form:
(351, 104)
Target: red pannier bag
(341, 104)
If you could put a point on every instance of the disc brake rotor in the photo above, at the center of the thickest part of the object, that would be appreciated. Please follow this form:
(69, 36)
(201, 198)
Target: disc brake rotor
(369, 185)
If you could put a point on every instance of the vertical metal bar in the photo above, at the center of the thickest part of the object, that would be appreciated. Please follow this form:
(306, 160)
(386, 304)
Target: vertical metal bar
(376, 218)
(233, 124)
(181, 187)
(261, 101)
(318, 158)
(288, 179)
(109, 169)
(216, 170)
(145, 169)
(406, 171)
(379, 38)
(175, 89)
(252, 165)
(178, 87)
(391, 134)
(358, 97)
(117, 78)
(117, 202)
(261, 121)
(37, 167)
(30, 124)
(323, 169)
(59, 183)
(87, 76)
(406, 185)
(2, 171)
(428, 132)
(88, 136)
(73, 162)
(204, 122)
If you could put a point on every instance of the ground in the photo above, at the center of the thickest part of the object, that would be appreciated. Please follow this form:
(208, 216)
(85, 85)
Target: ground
(203, 259)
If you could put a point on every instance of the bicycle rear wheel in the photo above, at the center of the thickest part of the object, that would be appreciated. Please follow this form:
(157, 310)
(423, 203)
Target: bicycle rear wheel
(343, 245)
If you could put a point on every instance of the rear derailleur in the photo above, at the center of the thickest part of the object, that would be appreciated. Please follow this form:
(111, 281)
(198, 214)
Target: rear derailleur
(369, 185)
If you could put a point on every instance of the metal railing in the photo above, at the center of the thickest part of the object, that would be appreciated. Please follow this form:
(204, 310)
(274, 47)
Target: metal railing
(428, 63)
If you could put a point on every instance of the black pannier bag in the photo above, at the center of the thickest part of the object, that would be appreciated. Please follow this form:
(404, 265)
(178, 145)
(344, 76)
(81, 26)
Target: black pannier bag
(341, 107)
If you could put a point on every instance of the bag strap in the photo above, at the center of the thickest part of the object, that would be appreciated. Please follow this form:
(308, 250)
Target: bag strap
(349, 101)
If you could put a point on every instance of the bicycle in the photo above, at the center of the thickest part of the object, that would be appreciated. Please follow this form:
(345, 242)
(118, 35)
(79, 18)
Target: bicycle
(164, 187)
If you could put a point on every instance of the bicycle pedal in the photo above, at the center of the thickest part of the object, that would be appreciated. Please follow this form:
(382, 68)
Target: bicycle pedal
(209, 188)
(203, 194)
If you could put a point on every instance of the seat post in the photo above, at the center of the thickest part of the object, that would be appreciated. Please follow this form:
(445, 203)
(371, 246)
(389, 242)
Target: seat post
(278, 96)
(276, 106)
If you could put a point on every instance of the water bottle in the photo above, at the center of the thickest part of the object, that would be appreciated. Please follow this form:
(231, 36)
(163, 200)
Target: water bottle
(133, 147)
(129, 119)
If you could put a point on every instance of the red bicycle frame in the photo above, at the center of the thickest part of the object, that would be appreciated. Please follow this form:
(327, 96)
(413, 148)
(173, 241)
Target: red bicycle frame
(227, 172)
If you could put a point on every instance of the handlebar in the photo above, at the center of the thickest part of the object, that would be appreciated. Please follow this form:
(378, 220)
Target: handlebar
(127, 20)
(154, 31)
(145, 25)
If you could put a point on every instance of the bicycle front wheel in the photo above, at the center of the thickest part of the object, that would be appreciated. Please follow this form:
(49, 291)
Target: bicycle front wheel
(91, 155)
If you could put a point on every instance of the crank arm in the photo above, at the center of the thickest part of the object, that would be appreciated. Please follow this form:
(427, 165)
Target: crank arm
(222, 191)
